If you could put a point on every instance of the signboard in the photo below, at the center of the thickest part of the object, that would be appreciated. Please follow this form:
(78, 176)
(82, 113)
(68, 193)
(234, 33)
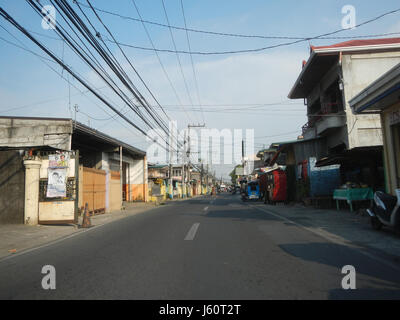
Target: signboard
(239, 171)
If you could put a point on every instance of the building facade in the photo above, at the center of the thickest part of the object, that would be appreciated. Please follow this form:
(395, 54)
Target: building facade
(382, 98)
(332, 76)
(96, 169)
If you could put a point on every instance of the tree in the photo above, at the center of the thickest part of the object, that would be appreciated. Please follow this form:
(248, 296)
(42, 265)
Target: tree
(233, 174)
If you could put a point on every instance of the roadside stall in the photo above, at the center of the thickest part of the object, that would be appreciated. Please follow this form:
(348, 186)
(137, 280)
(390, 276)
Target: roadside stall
(351, 195)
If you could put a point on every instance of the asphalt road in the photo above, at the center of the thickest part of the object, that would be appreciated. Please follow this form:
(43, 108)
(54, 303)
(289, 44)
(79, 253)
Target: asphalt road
(203, 248)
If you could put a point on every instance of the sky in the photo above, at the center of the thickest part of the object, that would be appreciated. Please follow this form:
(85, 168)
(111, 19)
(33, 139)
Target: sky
(235, 91)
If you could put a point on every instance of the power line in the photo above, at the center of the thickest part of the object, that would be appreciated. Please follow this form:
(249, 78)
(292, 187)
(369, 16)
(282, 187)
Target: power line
(80, 92)
(177, 54)
(191, 60)
(237, 35)
(64, 8)
(144, 101)
(160, 62)
(44, 59)
(25, 49)
(8, 18)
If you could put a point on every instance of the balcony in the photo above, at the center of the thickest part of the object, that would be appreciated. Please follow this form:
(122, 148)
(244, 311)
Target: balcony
(330, 122)
(308, 131)
(323, 121)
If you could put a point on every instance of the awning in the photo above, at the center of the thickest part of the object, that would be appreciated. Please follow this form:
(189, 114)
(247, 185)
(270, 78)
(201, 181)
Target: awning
(317, 66)
(362, 155)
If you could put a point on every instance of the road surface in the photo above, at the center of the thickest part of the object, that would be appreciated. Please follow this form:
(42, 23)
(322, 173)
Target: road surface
(202, 248)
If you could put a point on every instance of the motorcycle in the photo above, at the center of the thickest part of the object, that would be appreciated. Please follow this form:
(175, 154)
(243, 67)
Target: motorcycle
(385, 211)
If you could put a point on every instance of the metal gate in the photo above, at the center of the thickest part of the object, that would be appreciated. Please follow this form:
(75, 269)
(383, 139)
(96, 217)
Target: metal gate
(94, 190)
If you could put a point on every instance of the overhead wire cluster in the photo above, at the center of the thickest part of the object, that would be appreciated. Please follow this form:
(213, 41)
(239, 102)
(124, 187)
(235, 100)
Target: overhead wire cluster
(80, 33)
(93, 51)
(239, 35)
(294, 39)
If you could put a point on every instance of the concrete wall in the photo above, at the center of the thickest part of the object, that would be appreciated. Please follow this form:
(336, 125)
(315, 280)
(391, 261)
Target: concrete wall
(359, 71)
(163, 192)
(12, 187)
(137, 180)
(15, 132)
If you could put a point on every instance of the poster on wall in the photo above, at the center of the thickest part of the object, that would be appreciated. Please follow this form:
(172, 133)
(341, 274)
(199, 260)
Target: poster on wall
(57, 180)
(59, 160)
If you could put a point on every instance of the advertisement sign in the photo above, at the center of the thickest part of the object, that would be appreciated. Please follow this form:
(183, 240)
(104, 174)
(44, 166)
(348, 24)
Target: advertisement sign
(239, 171)
(57, 175)
(57, 180)
(59, 160)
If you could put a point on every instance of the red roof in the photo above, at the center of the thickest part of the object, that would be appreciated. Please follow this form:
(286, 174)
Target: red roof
(357, 43)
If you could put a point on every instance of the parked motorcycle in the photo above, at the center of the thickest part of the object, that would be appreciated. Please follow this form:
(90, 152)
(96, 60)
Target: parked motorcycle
(385, 211)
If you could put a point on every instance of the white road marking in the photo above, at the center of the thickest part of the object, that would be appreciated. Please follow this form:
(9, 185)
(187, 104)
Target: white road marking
(205, 209)
(192, 232)
(330, 237)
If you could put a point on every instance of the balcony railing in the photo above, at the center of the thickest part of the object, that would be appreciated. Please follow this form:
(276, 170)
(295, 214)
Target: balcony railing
(326, 109)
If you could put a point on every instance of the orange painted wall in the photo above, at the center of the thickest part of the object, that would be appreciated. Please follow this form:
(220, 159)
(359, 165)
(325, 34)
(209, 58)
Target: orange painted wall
(136, 192)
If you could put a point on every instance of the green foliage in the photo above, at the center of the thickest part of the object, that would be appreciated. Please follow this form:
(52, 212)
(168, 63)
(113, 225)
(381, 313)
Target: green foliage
(233, 174)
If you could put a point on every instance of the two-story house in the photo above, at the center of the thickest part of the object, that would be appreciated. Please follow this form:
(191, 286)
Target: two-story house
(330, 78)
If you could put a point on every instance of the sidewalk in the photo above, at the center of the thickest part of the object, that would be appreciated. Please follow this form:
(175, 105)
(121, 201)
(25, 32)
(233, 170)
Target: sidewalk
(15, 238)
(350, 227)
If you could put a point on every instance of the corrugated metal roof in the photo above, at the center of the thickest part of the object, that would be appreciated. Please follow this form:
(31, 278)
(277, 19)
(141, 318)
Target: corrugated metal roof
(358, 43)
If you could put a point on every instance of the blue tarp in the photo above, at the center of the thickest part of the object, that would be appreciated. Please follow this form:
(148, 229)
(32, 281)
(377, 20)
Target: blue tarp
(323, 180)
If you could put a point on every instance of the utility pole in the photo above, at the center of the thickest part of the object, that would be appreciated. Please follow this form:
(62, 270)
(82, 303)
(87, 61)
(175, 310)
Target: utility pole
(170, 186)
(201, 178)
(207, 179)
(184, 193)
(120, 177)
(188, 150)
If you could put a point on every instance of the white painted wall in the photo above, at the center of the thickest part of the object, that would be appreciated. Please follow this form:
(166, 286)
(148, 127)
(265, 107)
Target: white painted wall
(136, 172)
(359, 71)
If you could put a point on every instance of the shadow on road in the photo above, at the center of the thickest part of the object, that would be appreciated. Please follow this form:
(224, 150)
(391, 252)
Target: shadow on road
(386, 282)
